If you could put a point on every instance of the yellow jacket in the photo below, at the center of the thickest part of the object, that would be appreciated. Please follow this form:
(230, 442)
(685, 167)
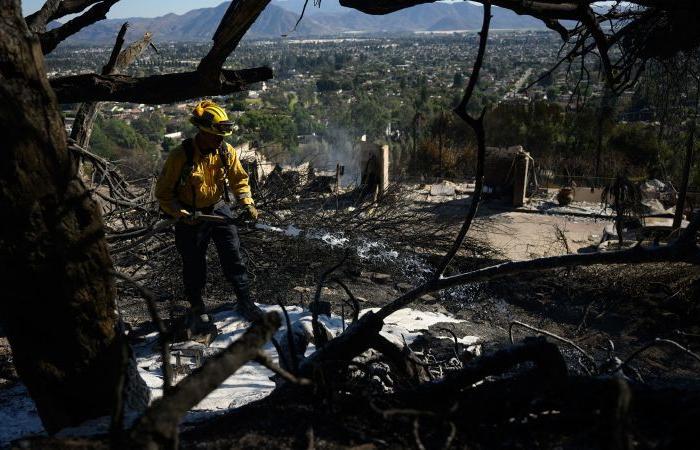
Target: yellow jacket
(207, 179)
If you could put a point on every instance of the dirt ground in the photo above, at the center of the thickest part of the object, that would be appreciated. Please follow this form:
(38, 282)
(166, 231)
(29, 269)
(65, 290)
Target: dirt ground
(521, 236)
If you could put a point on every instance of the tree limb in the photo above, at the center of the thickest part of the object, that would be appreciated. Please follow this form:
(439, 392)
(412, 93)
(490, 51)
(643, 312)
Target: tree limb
(37, 21)
(588, 18)
(67, 7)
(264, 360)
(544, 355)
(85, 117)
(239, 17)
(154, 89)
(477, 125)
(51, 39)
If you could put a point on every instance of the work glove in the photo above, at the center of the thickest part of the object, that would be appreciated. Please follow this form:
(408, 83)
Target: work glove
(249, 213)
(182, 213)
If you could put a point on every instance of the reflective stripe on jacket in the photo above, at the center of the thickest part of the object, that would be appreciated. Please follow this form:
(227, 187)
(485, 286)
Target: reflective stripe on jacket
(207, 179)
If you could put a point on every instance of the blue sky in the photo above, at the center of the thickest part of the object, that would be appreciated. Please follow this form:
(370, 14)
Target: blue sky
(139, 8)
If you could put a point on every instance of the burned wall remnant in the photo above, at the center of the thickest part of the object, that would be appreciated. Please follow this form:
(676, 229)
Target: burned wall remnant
(374, 168)
(506, 171)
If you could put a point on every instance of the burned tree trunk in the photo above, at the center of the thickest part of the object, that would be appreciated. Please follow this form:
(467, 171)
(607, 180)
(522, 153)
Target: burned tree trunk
(57, 302)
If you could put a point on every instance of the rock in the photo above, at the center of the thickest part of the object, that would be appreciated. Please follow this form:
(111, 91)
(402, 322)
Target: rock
(361, 299)
(439, 309)
(446, 188)
(302, 290)
(381, 278)
(427, 298)
(404, 287)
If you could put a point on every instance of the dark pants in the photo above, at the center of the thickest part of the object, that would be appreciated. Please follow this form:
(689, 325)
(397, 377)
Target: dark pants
(192, 241)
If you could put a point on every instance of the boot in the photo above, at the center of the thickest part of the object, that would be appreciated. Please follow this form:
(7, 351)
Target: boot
(249, 310)
(198, 322)
(246, 307)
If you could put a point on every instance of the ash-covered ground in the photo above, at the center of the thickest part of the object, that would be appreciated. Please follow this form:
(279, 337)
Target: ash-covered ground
(608, 311)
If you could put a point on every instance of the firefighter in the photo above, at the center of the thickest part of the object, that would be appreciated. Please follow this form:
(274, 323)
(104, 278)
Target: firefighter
(196, 178)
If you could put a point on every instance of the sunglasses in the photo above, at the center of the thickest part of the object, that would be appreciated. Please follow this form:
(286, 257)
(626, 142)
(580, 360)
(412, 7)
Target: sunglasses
(224, 127)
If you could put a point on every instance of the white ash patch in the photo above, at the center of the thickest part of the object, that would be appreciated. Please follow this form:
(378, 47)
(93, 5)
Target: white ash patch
(19, 417)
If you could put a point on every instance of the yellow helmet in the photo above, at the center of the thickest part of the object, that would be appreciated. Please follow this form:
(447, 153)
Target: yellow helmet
(211, 118)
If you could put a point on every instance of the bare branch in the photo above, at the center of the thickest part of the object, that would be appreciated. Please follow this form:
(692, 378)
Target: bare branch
(353, 299)
(67, 7)
(655, 343)
(589, 20)
(85, 117)
(265, 360)
(154, 89)
(588, 357)
(37, 21)
(109, 68)
(239, 17)
(51, 39)
(683, 249)
(477, 125)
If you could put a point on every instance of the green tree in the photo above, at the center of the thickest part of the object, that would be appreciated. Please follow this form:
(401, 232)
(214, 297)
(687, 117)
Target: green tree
(458, 80)
(368, 117)
(150, 125)
(270, 127)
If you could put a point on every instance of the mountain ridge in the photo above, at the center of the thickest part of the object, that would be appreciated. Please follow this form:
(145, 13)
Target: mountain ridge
(279, 19)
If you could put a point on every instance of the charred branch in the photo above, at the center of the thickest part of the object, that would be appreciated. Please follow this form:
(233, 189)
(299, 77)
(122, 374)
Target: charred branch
(548, 363)
(239, 17)
(51, 39)
(155, 89)
(67, 7)
(37, 21)
(85, 117)
(477, 125)
(403, 359)
(357, 338)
